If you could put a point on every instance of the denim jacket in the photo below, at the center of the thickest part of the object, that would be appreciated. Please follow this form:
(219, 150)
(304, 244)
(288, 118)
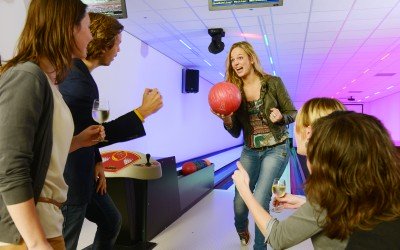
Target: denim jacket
(275, 95)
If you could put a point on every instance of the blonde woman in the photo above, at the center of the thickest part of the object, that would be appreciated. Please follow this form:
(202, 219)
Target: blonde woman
(312, 110)
(263, 116)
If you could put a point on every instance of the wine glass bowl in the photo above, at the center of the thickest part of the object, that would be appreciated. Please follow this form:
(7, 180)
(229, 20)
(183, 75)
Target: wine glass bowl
(100, 111)
(279, 190)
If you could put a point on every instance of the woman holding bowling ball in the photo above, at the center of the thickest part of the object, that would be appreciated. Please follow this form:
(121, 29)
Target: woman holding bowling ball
(264, 113)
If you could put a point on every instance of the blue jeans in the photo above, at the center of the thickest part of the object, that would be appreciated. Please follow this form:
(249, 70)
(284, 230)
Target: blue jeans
(262, 167)
(101, 211)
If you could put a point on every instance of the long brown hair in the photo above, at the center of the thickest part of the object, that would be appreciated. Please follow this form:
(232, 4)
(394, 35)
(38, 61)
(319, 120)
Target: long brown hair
(49, 33)
(355, 173)
(231, 75)
(105, 30)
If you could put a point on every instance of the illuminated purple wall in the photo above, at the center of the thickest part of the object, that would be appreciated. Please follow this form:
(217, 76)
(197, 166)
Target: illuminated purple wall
(184, 127)
(387, 109)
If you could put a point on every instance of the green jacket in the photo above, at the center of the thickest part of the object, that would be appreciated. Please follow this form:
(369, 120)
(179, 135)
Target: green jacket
(275, 95)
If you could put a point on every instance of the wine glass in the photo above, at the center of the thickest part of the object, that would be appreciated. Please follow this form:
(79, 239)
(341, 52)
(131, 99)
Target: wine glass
(100, 111)
(279, 190)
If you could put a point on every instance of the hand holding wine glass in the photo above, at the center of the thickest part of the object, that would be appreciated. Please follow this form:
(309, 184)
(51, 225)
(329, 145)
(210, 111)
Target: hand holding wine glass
(279, 190)
(100, 112)
(87, 137)
(290, 201)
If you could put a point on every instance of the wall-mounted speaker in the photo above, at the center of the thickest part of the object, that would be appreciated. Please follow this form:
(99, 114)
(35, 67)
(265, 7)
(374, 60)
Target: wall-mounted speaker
(190, 81)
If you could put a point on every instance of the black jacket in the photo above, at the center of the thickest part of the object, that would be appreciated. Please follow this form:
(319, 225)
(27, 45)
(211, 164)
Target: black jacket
(79, 90)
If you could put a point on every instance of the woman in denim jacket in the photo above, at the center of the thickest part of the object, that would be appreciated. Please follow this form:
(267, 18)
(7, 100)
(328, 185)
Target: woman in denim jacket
(263, 116)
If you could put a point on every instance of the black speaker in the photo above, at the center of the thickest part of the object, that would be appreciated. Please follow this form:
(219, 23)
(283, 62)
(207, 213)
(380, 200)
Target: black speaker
(190, 81)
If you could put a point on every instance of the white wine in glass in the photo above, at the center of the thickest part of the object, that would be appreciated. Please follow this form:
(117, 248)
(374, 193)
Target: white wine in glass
(279, 190)
(100, 111)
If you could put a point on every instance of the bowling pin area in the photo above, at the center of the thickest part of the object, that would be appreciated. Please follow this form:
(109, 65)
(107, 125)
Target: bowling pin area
(206, 225)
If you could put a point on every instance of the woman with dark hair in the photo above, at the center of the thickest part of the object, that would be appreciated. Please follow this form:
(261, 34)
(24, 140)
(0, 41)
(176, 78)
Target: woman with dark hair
(36, 127)
(263, 116)
(355, 175)
(354, 183)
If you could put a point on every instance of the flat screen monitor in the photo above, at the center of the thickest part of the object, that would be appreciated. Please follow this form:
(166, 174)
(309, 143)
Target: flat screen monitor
(242, 4)
(115, 8)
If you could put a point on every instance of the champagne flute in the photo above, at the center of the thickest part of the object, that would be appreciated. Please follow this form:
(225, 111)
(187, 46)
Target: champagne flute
(100, 111)
(279, 190)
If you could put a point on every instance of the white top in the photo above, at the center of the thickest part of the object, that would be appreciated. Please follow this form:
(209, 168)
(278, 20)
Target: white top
(55, 187)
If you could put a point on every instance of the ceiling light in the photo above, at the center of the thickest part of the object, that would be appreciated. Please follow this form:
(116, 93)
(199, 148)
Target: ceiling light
(216, 46)
(209, 64)
(266, 40)
(187, 46)
(385, 56)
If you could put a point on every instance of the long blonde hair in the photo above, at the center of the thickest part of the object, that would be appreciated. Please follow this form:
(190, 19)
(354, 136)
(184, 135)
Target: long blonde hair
(316, 108)
(49, 33)
(231, 75)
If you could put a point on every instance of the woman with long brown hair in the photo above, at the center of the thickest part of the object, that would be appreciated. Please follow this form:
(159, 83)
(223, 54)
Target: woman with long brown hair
(355, 176)
(36, 127)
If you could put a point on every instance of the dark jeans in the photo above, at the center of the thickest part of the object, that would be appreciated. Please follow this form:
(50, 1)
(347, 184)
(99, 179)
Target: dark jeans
(101, 211)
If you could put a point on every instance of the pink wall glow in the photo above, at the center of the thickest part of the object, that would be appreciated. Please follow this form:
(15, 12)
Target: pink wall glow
(387, 110)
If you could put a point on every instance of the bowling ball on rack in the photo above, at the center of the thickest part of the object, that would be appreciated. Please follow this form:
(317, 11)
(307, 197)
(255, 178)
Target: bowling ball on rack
(200, 164)
(188, 168)
(224, 98)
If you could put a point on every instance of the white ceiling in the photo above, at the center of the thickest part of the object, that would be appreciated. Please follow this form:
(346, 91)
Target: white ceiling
(318, 47)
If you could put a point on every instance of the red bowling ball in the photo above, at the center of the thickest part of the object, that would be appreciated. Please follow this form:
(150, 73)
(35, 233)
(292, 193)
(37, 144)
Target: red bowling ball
(188, 168)
(224, 98)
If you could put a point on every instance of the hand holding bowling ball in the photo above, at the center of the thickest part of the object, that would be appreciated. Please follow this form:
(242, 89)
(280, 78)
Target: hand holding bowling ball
(224, 98)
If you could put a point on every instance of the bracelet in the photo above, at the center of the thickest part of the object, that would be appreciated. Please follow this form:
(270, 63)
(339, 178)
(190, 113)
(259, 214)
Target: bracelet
(139, 115)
